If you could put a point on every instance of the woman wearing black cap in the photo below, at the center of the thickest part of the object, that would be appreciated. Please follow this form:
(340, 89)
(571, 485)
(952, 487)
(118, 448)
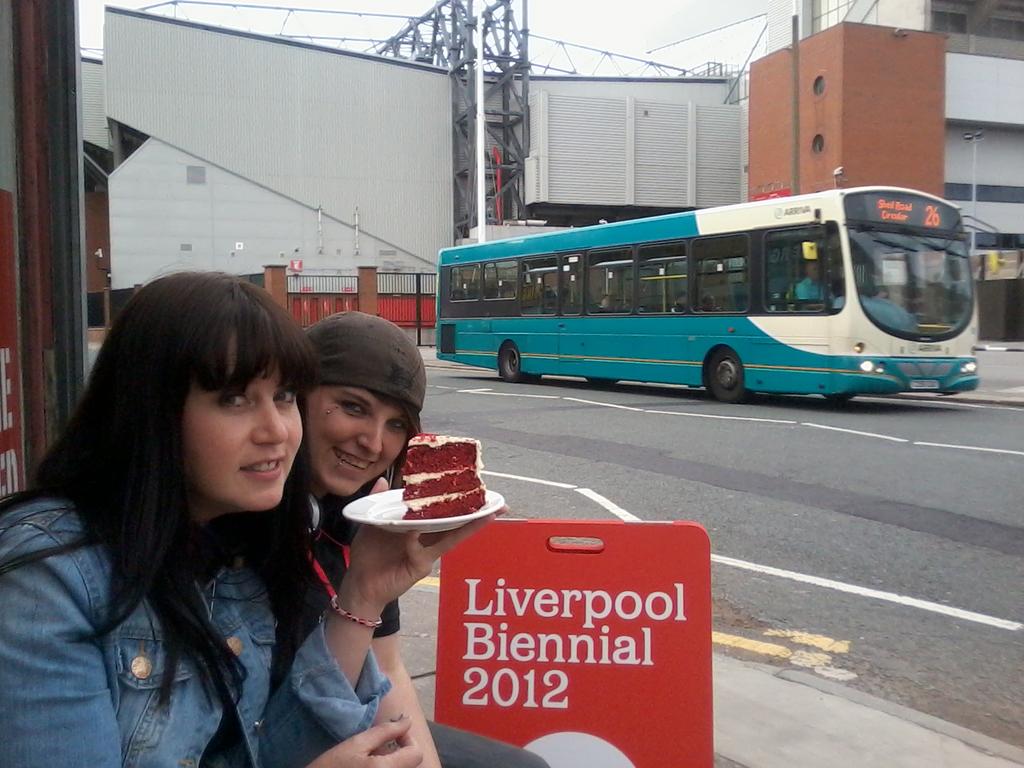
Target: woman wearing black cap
(366, 407)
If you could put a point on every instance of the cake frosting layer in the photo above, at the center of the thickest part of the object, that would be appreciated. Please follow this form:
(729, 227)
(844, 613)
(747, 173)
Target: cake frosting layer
(441, 476)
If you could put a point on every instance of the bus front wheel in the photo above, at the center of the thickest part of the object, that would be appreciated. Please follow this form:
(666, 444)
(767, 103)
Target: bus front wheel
(726, 377)
(510, 362)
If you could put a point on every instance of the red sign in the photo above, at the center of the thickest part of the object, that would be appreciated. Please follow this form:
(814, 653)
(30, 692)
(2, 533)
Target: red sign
(588, 643)
(11, 455)
(295, 265)
(773, 194)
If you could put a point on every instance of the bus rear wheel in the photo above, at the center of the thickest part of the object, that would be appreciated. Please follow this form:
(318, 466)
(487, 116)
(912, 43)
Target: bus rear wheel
(510, 363)
(726, 378)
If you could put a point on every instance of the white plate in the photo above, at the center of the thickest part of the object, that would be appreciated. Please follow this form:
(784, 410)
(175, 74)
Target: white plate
(386, 510)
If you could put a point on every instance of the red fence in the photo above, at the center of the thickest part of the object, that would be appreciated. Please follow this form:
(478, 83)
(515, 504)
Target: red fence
(406, 299)
(401, 310)
(308, 308)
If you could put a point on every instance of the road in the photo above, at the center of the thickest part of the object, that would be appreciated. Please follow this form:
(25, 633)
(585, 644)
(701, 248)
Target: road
(911, 510)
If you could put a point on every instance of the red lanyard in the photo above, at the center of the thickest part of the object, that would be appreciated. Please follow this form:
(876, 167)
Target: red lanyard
(321, 574)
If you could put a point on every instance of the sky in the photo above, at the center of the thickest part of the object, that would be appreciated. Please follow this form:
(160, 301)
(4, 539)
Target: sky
(635, 28)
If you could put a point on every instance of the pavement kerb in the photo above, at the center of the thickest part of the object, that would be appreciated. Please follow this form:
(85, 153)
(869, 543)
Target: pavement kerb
(979, 741)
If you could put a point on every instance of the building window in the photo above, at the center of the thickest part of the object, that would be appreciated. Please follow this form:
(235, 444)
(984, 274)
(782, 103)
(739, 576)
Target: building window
(987, 193)
(995, 193)
(957, 192)
(828, 13)
(818, 144)
(819, 85)
(195, 174)
(949, 21)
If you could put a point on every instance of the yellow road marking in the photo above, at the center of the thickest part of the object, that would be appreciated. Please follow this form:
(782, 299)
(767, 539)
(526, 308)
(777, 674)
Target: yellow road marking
(815, 641)
(431, 582)
(756, 646)
(810, 659)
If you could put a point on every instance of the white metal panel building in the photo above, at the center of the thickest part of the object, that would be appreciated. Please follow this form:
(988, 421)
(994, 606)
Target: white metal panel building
(292, 140)
(176, 211)
(94, 114)
(634, 142)
(330, 130)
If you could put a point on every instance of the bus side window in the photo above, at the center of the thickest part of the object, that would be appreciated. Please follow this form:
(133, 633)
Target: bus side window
(722, 275)
(796, 270)
(663, 278)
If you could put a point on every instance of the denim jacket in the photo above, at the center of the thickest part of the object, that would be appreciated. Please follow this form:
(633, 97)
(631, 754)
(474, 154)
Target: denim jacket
(70, 698)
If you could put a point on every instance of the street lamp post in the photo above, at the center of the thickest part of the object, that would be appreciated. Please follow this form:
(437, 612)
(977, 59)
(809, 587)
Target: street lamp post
(974, 137)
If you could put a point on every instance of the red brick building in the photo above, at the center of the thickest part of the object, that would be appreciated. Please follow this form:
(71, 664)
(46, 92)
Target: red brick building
(871, 102)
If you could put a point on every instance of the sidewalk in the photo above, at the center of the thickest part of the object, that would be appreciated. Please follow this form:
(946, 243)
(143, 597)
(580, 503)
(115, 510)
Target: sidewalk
(770, 717)
(983, 395)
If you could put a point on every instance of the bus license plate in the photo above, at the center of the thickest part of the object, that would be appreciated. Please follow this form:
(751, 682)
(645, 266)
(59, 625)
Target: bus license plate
(924, 384)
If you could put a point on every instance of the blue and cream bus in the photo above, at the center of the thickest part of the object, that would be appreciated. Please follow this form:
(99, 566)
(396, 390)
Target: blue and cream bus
(837, 293)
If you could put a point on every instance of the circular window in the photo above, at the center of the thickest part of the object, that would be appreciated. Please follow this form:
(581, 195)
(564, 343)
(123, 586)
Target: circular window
(818, 143)
(819, 85)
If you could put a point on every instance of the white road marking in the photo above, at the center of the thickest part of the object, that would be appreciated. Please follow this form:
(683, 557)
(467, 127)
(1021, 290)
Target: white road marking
(504, 394)
(804, 578)
(971, 448)
(937, 403)
(530, 480)
(606, 405)
(719, 416)
(1017, 390)
(853, 589)
(611, 506)
(856, 432)
(438, 386)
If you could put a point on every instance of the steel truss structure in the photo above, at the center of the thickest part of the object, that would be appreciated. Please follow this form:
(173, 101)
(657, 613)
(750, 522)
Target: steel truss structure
(445, 37)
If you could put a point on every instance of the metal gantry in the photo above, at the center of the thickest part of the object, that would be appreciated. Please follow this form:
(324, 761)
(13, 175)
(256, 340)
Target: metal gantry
(445, 37)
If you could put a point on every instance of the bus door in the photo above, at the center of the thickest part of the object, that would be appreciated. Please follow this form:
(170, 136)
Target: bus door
(537, 336)
(571, 342)
(596, 319)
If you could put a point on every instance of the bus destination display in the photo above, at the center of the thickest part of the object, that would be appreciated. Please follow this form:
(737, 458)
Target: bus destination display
(905, 210)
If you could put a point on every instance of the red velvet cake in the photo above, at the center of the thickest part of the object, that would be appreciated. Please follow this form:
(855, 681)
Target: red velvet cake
(442, 477)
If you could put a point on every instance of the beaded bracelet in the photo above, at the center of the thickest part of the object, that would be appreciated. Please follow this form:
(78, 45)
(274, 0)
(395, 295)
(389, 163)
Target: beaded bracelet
(371, 623)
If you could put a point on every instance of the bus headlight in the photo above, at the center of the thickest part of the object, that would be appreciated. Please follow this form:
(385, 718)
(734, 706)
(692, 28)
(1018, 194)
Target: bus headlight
(969, 367)
(867, 366)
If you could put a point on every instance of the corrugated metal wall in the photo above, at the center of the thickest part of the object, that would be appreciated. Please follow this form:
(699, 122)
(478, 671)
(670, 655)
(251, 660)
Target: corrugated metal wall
(172, 210)
(627, 151)
(719, 169)
(94, 111)
(662, 162)
(324, 128)
(586, 150)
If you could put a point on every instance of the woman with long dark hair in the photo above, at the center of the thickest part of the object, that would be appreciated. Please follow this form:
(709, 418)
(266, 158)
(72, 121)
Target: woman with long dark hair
(151, 579)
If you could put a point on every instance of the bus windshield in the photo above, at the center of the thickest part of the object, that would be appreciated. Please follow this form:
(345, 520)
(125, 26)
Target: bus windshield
(914, 286)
